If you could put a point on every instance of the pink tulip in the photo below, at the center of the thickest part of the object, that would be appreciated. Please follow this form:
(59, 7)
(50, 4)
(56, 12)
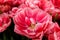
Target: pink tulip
(12, 2)
(56, 3)
(5, 8)
(4, 22)
(10, 6)
(42, 4)
(30, 22)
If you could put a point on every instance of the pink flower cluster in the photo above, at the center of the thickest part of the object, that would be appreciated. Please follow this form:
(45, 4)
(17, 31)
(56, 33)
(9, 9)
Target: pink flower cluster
(35, 19)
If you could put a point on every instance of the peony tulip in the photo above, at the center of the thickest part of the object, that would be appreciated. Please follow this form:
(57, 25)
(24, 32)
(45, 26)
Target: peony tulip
(30, 22)
(5, 21)
(56, 3)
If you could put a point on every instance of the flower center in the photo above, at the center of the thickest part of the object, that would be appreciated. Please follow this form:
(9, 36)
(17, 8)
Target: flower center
(32, 26)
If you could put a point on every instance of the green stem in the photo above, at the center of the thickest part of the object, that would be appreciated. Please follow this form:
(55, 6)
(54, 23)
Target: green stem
(11, 38)
(4, 37)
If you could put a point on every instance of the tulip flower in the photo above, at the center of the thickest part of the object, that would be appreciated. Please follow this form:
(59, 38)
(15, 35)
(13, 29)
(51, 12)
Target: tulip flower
(5, 21)
(30, 22)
